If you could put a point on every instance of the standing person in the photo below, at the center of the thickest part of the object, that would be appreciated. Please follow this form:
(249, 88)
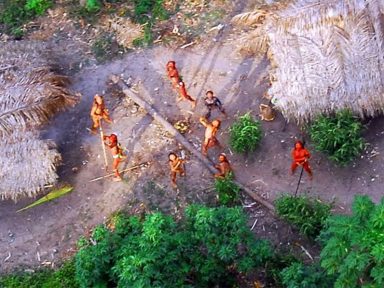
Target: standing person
(224, 167)
(300, 157)
(211, 130)
(184, 94)
(173, 74)
(98, 112)
(117, 154)
(176, 166)
(212, 102)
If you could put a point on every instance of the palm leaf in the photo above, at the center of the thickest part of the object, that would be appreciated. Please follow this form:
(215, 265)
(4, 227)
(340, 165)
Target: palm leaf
(54, 194)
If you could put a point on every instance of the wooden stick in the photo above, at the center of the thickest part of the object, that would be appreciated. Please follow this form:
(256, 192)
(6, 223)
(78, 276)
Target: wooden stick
(103, 145)
(125, 170)
(180, 138)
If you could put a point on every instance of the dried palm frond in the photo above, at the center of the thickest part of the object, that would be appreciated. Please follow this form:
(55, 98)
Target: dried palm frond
(31, 100)
(326, 55)
(27, 165)
(256, 17)
(30, 95)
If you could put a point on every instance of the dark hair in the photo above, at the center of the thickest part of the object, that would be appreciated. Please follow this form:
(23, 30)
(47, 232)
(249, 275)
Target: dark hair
(301, 143)
(169, 155)
(209, 91)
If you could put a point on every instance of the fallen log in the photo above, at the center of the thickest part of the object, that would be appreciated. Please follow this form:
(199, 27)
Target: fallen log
(181, 139)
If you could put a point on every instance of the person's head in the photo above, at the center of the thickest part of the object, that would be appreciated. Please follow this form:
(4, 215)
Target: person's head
(216, 123)
(112, 138)
(172, 156)
(98, 99)
(223, 158)
(299, 144)
(209, 94)
(171, 64)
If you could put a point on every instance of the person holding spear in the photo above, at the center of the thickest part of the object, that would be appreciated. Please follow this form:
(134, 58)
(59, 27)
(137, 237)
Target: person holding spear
(176, 166)
(98, 113)
(300, 157)
(117, 154)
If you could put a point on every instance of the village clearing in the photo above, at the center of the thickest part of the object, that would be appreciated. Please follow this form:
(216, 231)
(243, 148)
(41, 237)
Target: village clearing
(45, 234)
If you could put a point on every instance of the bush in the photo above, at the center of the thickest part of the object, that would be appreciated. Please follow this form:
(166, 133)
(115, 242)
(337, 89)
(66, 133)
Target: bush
(299, 275)
(227, 190)
(205, 249)
(149, 11)
(338, 136)
(354, 245)
(307, 214)
(15, 13)
(38, 7)
(245, 134)
(93, 6)
(46, 278)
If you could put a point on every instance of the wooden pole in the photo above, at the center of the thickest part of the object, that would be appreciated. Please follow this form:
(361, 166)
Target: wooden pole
(122, 171)
(103, 145)
(180, 138)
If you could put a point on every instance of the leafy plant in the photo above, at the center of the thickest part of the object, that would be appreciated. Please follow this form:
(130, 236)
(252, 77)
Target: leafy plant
(64, 277)
(227, 190)
(149, 10)
(307, 214)
(245, 134)
(207, 247)
(38, 7)
(13, 16)
(93, 6)
(298, 275)
(354, 245)
(338, 136)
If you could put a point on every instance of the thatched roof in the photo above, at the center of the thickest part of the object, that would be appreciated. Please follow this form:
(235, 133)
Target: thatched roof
(30, 95)
(325, 55)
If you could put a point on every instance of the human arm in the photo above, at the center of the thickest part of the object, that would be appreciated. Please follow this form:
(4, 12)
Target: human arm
(203, 121)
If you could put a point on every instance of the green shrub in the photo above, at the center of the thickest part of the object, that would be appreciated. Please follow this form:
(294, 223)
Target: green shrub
(354, 245)
(227, 190)
(245, 134)
(93, 6)
(307, 214)
(298, 275)
(202, 250)
(106, 48)
(149, 11)
(338, 136)
(38, 7)
(15, 13)
(64, 277)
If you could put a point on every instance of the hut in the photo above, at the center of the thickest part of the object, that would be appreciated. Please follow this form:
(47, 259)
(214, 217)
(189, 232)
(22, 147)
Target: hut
(325, 55)
(31, 93)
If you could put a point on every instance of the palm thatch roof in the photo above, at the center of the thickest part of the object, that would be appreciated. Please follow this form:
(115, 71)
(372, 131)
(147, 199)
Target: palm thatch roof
(31, 93)
(325, 55)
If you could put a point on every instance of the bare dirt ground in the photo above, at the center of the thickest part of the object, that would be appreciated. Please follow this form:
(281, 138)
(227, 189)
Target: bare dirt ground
(48, 233)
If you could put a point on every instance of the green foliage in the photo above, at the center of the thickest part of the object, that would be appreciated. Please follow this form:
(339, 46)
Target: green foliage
(93, 6)
(298, 275)
(307, 214)
(15, 13)
(227, 190)
(149, 11)
(276, 264)
(147, 38)
(338, 136)
(204, 249)
(61, 278)
(38, 7)
(245, 134)
(354, 245)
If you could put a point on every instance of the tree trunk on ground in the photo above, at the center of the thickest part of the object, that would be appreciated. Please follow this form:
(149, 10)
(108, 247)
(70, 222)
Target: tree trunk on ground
(181, 139)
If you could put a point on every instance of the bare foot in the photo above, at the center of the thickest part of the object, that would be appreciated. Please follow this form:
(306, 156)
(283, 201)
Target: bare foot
(116, 179)
(193, 104)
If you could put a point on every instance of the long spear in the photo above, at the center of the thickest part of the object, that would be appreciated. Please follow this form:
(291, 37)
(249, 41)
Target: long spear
(124, 170)
(103, 145)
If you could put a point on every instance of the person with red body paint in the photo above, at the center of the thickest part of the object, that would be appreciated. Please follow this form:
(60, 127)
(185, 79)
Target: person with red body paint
(300, 157)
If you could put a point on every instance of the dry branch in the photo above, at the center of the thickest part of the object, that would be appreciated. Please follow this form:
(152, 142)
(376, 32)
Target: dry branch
(180, 138)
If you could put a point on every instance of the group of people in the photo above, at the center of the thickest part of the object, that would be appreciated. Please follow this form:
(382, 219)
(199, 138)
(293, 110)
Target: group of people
(99, 112)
